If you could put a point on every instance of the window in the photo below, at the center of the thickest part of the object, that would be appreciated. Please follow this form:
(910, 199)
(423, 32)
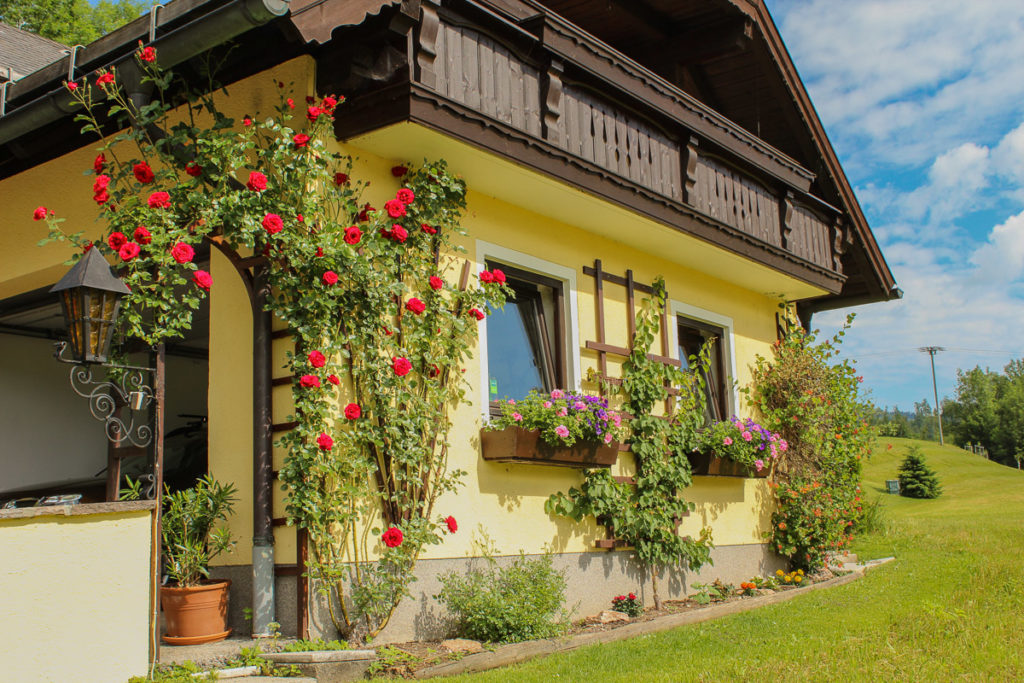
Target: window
(691, 336)
(526, 340)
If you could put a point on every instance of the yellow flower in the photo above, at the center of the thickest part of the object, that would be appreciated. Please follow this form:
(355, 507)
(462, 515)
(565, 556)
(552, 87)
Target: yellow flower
(800, 572)
(799, 579)
(787, 579)
(779, 572)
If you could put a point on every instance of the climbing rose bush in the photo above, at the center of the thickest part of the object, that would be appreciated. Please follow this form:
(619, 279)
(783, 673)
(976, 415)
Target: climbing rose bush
(379, 302)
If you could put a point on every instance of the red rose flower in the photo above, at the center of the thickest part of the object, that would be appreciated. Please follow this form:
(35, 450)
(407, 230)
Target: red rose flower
(398, 233)
(353, 235)
(434, 370)
(436, 283)
(453, 526)
(401, 366)
(257, 182)
(405, 195)
(202, 279)
(299, 218)
(246, 122)
(499, 276)
(182, 252)
(101, 183)
(142, 236)
(476, 313)
(71, 86)
(430, 230)
(313, 113)
(129, 251)
(105, 79)
(193, 169)
(291, 103)
(486, 276)
(143, 173)
(392, 537)
(300, 140)
(329, 103)
(272, 223)
(416, 306)
(333, 379)
(309, 381)
(330, 277)
(147, 54)
(101, 197)
(632, 596)
(317, 359)
(159, 200)
(319, 252)
(117, 240)
(364, 215)
(395, 208)
(99, 162)
(325, 442)
(399, 171)
(340, 178)
(353, 411)
(387, 332)
(39, 214)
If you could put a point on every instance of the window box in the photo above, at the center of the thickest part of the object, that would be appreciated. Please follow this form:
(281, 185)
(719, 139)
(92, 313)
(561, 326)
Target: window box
(515, 444)
(703, 464)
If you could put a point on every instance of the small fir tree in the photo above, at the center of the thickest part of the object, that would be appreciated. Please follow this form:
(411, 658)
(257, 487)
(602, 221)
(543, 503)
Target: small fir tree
(917, 480)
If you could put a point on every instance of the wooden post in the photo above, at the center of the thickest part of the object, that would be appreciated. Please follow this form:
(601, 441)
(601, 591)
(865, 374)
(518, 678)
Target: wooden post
(552, 113)
(690, 157)
(430, 25)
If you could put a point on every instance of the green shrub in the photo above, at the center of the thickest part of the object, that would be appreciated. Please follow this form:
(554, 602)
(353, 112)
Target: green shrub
(522, 601)
(917, 480)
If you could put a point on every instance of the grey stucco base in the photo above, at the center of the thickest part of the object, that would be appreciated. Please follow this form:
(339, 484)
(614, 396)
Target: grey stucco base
(285, 600)
(592, 578)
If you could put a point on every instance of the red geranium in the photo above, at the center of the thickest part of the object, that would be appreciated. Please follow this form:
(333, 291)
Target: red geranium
(202, 279)
(272, 223)
(117, 240)
(325, 442)
(401, 366)
(309, 381)
(330, 277)
(405, 195)
(142, 236)
(476, 313)
(257, 181)
(392, 537)
(182, 252)
(395, 208)
(452, 524)
(353, 235)
(416, 306)
(399, 171)
(193, 169)
(300, 140)
(436, 283)
(353, 411)
(340, 178)
(159, 200)
(39, 214)
(143, 173)
(317, 359)
(129, 251)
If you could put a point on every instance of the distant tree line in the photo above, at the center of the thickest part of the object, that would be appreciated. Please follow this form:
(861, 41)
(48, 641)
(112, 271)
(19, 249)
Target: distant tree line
(988, 411)
(72, 22)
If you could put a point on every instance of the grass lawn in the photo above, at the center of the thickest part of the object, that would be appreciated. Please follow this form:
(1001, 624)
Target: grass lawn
(950, 608)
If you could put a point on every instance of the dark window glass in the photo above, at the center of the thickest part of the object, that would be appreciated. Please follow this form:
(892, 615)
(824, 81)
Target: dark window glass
(524, 340)
(692, 337)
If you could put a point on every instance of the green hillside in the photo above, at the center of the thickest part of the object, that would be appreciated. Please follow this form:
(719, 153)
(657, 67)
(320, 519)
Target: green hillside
(950, 608)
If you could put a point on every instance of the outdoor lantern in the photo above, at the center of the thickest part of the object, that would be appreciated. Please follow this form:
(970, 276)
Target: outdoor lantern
(91, 297)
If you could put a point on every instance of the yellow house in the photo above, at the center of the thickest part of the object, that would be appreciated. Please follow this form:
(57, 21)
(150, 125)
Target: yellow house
(603, 145)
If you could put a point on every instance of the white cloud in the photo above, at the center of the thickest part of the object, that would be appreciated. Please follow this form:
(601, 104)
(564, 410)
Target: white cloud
(1001, 259)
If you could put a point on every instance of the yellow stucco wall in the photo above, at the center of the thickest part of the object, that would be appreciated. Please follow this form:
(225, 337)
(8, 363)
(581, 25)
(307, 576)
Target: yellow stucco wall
(508, 206)
(74, 598)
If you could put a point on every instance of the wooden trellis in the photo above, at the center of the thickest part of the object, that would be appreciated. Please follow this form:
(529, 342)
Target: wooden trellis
(603, 349)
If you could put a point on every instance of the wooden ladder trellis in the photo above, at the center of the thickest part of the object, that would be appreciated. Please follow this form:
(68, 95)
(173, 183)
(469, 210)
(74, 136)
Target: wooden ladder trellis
(603, 349)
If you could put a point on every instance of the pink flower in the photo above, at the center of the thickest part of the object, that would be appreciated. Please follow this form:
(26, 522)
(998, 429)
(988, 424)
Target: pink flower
(579, 405)
(759, 464)
(783, 445)
(557, 394)
(563, 412)
(547, 404)
(562, 431)
(511, 402)
(617, 419)
(607, 438)
(747, 436)
(517, 417)
(727, 441)
(775, 451)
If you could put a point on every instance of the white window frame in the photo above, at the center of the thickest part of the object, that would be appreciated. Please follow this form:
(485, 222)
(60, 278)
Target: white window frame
(680, 309)
(486, 251)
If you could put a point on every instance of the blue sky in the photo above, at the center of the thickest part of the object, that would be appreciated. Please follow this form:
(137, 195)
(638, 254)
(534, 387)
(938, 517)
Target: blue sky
(924, 102)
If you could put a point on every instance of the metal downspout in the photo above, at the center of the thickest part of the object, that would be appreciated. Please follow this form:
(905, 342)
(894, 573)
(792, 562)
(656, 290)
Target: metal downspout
(262, 460)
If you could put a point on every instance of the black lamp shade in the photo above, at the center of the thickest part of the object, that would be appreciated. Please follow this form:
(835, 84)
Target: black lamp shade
(90, 295)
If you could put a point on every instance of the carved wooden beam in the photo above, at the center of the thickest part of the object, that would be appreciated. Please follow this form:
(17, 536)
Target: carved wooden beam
(553, 103)
(426, 51)
(842, 239)
(786, 221)
(690, 158)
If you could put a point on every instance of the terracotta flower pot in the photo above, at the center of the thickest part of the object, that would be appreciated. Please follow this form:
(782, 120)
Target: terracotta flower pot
(515, 444)
(196, 614)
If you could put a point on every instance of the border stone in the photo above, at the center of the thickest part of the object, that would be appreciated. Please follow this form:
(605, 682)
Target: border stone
(319, 656)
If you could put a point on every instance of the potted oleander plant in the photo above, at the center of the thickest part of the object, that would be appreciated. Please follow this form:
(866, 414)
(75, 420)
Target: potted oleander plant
(195, 606)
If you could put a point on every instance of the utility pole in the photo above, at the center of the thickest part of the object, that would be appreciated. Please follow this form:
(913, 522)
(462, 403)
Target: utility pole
(931, 351)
